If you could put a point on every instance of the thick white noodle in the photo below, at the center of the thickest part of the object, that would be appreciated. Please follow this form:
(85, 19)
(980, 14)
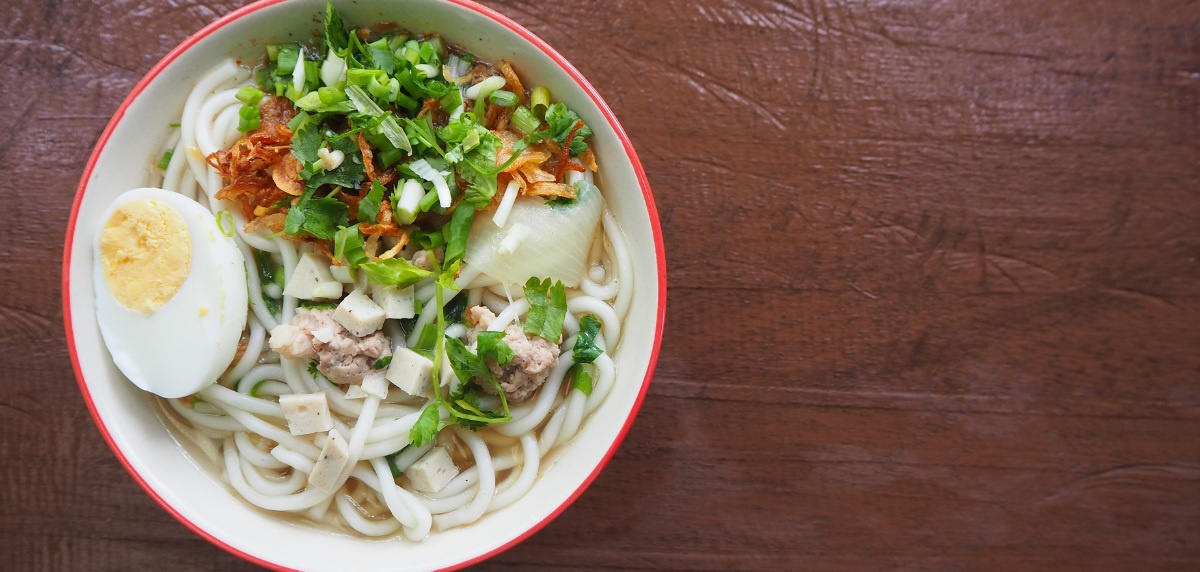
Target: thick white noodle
(360, 523)
(261, 372)
(249, 359)
(529, 471)
(273, 485)
(254, 288)
(574, 416)
(624, 265)
(256, 456)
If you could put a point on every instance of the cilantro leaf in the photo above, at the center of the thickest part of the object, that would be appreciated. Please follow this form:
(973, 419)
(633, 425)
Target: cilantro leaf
(586, 350)
(446, 277)
(583, 379)
(319, 217)
(335, 31)
(305, 142)
(466, 398)
(547, 309)
(368, 208)
(428, 425)
(491, 346)
(465, 364)
(349, 174)
(561, 121)
(478, 167)
(420, 134)
(396, 272)
(382, 58)
(468, 366)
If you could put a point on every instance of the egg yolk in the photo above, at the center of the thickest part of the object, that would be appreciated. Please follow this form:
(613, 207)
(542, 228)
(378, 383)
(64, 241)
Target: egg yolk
(145, 254)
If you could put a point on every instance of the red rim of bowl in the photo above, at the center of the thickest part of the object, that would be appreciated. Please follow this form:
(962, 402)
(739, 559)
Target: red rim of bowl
(643, 182)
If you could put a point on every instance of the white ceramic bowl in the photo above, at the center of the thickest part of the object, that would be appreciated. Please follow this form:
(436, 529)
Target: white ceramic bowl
(193, 495)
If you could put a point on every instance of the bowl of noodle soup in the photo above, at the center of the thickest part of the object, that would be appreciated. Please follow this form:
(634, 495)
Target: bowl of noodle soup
(222, 460)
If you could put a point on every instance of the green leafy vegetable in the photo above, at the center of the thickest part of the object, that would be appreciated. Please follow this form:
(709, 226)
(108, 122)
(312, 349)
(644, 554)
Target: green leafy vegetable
(349, 174)
(547, 309)
(478, 169)
(465, 364)
(368, 208)
(562, 121)
(582, 379)
(428, 425)
(319, 217)
(491, 346)
(446, 278)
(305, 142)
(335, 31)
(468, 366)
(382, 362)
(396, 272)
(586, 350)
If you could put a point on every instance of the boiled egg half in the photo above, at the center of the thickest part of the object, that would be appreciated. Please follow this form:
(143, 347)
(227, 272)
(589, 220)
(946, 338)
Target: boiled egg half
(171, 296)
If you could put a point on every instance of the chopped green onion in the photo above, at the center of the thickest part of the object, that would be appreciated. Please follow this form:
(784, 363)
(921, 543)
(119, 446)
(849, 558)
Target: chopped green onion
(331, 95)
(539, 100)
(451, 101)
(390, 157)
(300, 120)
(391, 461)
(408, 202)
(248, 118)
(287, 58)
(165, 161)
(524, 120)
(427, 201)
(310, 102)
(503, 98)
(221, 224)
(249, 95)
(423, 169)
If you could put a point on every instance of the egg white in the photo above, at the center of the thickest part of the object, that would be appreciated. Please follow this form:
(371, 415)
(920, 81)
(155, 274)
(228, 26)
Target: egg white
(188, 342)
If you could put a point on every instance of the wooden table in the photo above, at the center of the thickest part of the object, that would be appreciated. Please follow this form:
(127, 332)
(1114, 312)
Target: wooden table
(934, 291)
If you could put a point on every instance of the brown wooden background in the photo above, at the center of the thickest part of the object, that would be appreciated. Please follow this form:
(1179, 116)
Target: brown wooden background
(933, 285)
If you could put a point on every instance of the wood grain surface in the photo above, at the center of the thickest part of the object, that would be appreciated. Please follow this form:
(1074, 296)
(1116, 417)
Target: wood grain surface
(934, 293)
